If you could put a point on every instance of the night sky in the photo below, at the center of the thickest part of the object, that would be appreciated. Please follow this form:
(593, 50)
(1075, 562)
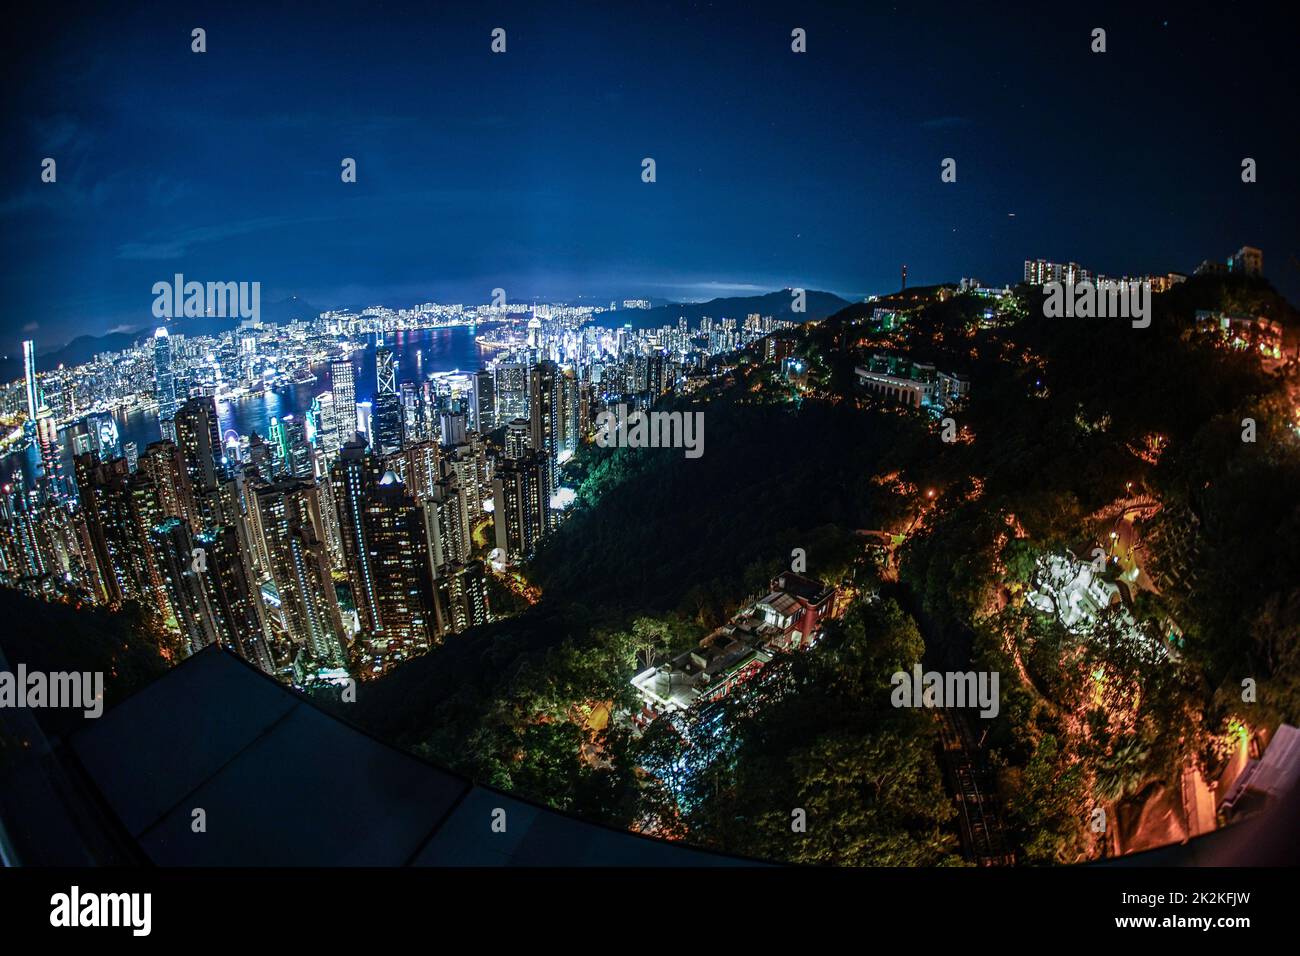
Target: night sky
(523, 170)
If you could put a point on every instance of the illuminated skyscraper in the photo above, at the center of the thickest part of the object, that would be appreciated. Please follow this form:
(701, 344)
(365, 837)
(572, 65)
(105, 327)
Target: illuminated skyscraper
(388, 407)
(343, 388)
(29, 376)
(164, 382)
(483, 411)
(47, 440)
(511, 391)
(385, 369)
(121, 510)
(422, 469)
(544, 410)
(21, 556)
(569, 428)
(516, 438)
(399, 563)
(365, 422)
(179, 567)
(544, 421)
(353, 474)
(520, 506)
(290, 525)
(199, 440)
(163, 464)
(383, 535)
(297, 452)
(236, 607)
(468, 462)
(327, 431)
(460, 596)
(446, 525)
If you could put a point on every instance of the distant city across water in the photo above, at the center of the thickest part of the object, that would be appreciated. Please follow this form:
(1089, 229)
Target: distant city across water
(419, 353)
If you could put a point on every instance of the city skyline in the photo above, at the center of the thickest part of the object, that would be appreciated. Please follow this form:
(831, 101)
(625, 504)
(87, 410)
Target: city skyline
(580, 435)
(382, 491)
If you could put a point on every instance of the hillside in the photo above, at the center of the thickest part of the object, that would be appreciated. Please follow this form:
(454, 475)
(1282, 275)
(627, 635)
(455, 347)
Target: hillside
(818, 305)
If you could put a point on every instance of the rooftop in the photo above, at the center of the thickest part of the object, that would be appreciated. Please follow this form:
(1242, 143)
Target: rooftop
(280, 782)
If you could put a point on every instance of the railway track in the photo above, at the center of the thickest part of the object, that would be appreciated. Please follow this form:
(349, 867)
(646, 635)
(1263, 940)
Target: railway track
(983, 840)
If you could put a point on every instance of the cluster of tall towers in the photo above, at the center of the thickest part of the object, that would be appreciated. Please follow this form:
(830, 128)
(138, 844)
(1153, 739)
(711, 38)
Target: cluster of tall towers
(351, 536)
(338, 540)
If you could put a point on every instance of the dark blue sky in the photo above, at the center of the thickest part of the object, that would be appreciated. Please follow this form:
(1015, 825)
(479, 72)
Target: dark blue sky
(522, 170)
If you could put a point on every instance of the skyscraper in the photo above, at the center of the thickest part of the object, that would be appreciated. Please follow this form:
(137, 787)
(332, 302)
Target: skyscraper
(47, 440)
(395, 549)
(544, 409)
(569, 428)
(447, 525)
(121, 510)
(520, 506)
(385, 369)
(384, 543)
(297, 452)
(22, 558)
(511, 391)
(164, 382)
(452, 428)
(163, 464)
(460, 596)
(29, 376)
(327, 429)
(516, 438)
(179, 567)
(344, 389)
(544, 421)
(198, 437)
(413, 412)
(423, 468)
(388, 406)
(483, 402)
(290, 524)
(236, 607)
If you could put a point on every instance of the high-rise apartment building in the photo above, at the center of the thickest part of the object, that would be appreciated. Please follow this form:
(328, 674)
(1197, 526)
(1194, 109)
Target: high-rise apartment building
(520, 506)
(1041, 271)
(307, 607)
(383, 535)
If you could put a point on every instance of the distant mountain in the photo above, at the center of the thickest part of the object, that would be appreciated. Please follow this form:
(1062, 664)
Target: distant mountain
(85, 347)
(81, 349)
(817, 305)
